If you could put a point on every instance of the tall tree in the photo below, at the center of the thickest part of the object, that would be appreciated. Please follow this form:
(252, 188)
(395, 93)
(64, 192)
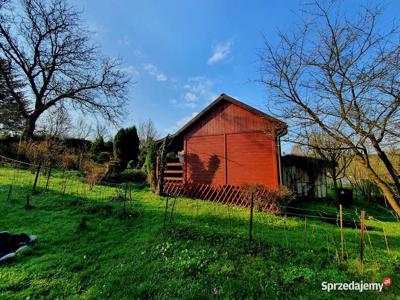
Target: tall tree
(10, 109)
(147, 133)
(340, 75)
(126, 146)
(52, 53)
(97, 146)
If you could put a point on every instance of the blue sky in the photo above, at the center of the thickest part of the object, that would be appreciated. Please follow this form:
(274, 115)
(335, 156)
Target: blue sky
(183, 54)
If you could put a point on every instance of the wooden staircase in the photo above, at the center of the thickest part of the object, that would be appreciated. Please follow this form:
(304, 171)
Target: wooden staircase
(174, 172)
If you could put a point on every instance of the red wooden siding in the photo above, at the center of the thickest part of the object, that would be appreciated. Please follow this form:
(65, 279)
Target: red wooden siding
(205, 159)
(231, 146)
(251, 159)
(229, 118)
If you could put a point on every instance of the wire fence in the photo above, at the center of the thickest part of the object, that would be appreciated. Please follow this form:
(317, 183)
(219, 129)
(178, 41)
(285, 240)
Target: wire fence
(297, 227)
(345, 234)
(21, 180)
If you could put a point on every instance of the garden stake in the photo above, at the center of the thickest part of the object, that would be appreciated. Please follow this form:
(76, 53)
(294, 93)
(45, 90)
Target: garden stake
(362, 240)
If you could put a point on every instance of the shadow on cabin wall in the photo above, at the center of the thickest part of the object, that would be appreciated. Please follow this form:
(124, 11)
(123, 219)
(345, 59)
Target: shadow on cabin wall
(198, 172)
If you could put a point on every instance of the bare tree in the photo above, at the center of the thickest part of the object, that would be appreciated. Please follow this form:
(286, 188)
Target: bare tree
(51, 51)
(147, 132)
(57, 123)
(82, 129)
(102, 130)
(341, 76)
(333, 151)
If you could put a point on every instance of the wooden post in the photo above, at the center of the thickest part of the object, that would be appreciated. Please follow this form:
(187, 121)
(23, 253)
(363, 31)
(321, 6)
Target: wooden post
(37, 176)
(251, 217)
(362, 240)
(341, 229)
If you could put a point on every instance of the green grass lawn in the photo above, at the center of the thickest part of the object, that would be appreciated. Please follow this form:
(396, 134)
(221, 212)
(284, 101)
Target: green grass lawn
(89, 249)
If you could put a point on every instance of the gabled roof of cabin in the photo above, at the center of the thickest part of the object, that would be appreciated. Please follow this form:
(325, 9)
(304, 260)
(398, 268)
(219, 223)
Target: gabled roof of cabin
(177, 137)
(223, 97)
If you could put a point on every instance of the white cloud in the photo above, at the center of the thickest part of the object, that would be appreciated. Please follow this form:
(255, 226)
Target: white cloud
(220, 52)
(161, 77)
(190, 97)
(131, 71)
(153, 71)
(180, 123)
(197, 92)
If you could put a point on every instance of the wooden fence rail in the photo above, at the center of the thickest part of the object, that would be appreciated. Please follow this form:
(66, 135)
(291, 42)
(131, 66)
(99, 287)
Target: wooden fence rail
(227, 194)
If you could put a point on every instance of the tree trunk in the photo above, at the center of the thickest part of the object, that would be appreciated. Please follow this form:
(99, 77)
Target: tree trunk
(29, 128)
(390, 168)
(390, 195)
(334, 178)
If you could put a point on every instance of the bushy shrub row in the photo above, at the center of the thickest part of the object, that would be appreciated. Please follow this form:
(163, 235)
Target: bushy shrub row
(269, 199)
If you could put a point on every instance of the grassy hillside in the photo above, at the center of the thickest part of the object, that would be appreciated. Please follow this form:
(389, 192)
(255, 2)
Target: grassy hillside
(89, 249)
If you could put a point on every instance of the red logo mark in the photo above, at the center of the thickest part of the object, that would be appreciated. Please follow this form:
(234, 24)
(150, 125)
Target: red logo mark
(387, 281)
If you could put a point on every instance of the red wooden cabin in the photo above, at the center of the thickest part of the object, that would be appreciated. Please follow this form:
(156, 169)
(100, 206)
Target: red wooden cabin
(229, 143)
